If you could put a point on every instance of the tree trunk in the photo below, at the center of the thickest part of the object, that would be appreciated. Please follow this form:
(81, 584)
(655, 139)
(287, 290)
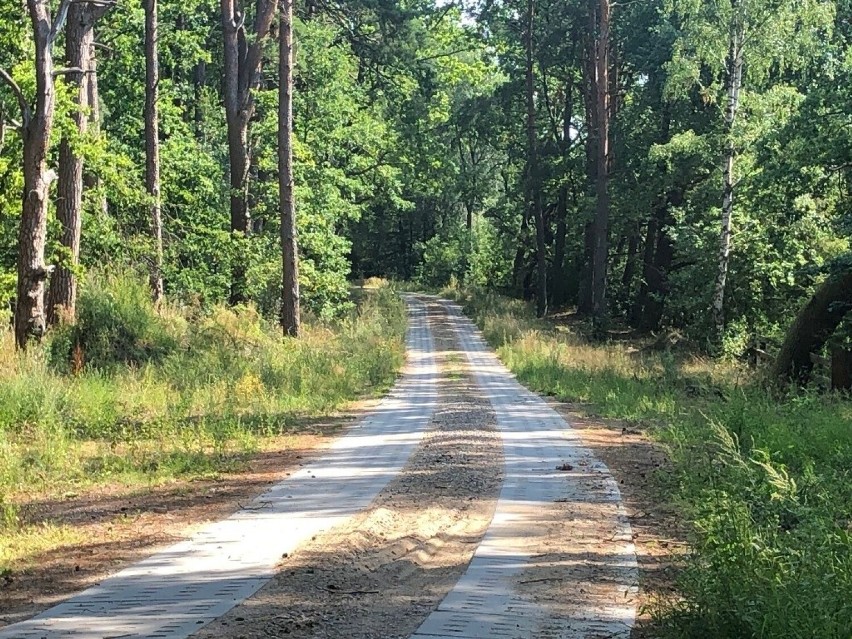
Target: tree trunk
(79, 54)
(152, 145)
(812, 327)
(536, 210)
(289, 246)
(734, 84)
(519, 263)
(558, 288)
(62, 294)
(584, 292)
(630, 262)
(93, 100)
(557, 277)
(242, 59)
(601, 221)
(37, 125)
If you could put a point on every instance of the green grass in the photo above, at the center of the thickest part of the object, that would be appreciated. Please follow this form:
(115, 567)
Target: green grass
(765, 480)
(134, 395)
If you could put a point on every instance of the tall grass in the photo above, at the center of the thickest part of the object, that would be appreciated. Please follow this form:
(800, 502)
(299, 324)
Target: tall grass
(132, 393)
(765, 480)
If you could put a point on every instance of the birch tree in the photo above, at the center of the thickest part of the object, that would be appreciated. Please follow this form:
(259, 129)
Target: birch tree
(600, 253)
(533, 185)
(290, 320)
(736, 43)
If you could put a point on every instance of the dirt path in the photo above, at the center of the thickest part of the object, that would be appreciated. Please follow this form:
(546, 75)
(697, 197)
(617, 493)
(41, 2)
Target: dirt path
(382, 573)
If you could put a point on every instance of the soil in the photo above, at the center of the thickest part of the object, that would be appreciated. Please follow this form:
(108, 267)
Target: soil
(638, 464)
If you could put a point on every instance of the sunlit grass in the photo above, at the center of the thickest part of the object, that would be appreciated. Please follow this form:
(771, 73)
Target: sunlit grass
(214, 390)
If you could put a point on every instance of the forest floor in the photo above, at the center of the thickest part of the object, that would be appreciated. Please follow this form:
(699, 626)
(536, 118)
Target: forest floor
(386, 569)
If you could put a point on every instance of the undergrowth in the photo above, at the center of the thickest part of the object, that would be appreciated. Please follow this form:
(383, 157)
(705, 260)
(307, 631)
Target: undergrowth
(764, 480)
(134, 394)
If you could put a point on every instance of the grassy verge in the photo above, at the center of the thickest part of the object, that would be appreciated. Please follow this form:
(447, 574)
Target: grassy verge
(765, 481)
(132, 395)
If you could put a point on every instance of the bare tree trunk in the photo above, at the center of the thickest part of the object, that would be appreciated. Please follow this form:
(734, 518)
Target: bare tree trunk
(734, 84)
(533, 186)
(289, 247)
(557, 288)
(601, 222)
(588, 88)
(79, 54)
(152, 145)
(37, 124)
(93, 100)
(243, 58)
(519, 263)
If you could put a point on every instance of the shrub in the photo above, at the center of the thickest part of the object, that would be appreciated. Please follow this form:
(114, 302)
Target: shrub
(117, 323)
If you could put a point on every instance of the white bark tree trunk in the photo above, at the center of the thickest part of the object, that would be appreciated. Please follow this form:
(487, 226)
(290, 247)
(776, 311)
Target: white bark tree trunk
(734, 85)
(152, 145)
(290, 320)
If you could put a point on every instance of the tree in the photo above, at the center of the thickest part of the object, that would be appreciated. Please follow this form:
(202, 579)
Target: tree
(733, 85)
(534, 195)
(600, 253)
(242, 62)
(758, 36)
(152, 145)
(290, 321)
(36, 126)
(79, 55)
(812, 327)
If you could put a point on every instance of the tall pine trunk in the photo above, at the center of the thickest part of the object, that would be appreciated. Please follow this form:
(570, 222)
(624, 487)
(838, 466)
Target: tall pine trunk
(242, 58)
(79, 54)
(289, 247)
(734, 85)
(152, 145)
(600, 253)
(536, 210)
(37, 124)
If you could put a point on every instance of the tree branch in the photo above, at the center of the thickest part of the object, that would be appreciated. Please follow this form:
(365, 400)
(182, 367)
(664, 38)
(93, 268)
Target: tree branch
(59, 20)
(68, 70)
(26, 114)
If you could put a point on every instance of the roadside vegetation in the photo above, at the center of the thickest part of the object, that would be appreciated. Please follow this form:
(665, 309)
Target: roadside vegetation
(135, 395)
(763, 478)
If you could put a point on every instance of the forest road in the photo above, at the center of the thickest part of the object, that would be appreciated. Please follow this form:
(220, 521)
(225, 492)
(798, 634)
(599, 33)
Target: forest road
(462, 507)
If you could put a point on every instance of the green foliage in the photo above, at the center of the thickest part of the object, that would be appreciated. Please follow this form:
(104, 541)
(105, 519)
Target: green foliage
(117, 324)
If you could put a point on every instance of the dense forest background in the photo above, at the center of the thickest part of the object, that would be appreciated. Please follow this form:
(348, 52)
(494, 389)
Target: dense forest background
(669, 163)
(676, 171)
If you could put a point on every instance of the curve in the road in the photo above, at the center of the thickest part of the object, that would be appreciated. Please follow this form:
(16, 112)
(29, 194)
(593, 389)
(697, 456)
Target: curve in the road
(487, 602)
(175, 592)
